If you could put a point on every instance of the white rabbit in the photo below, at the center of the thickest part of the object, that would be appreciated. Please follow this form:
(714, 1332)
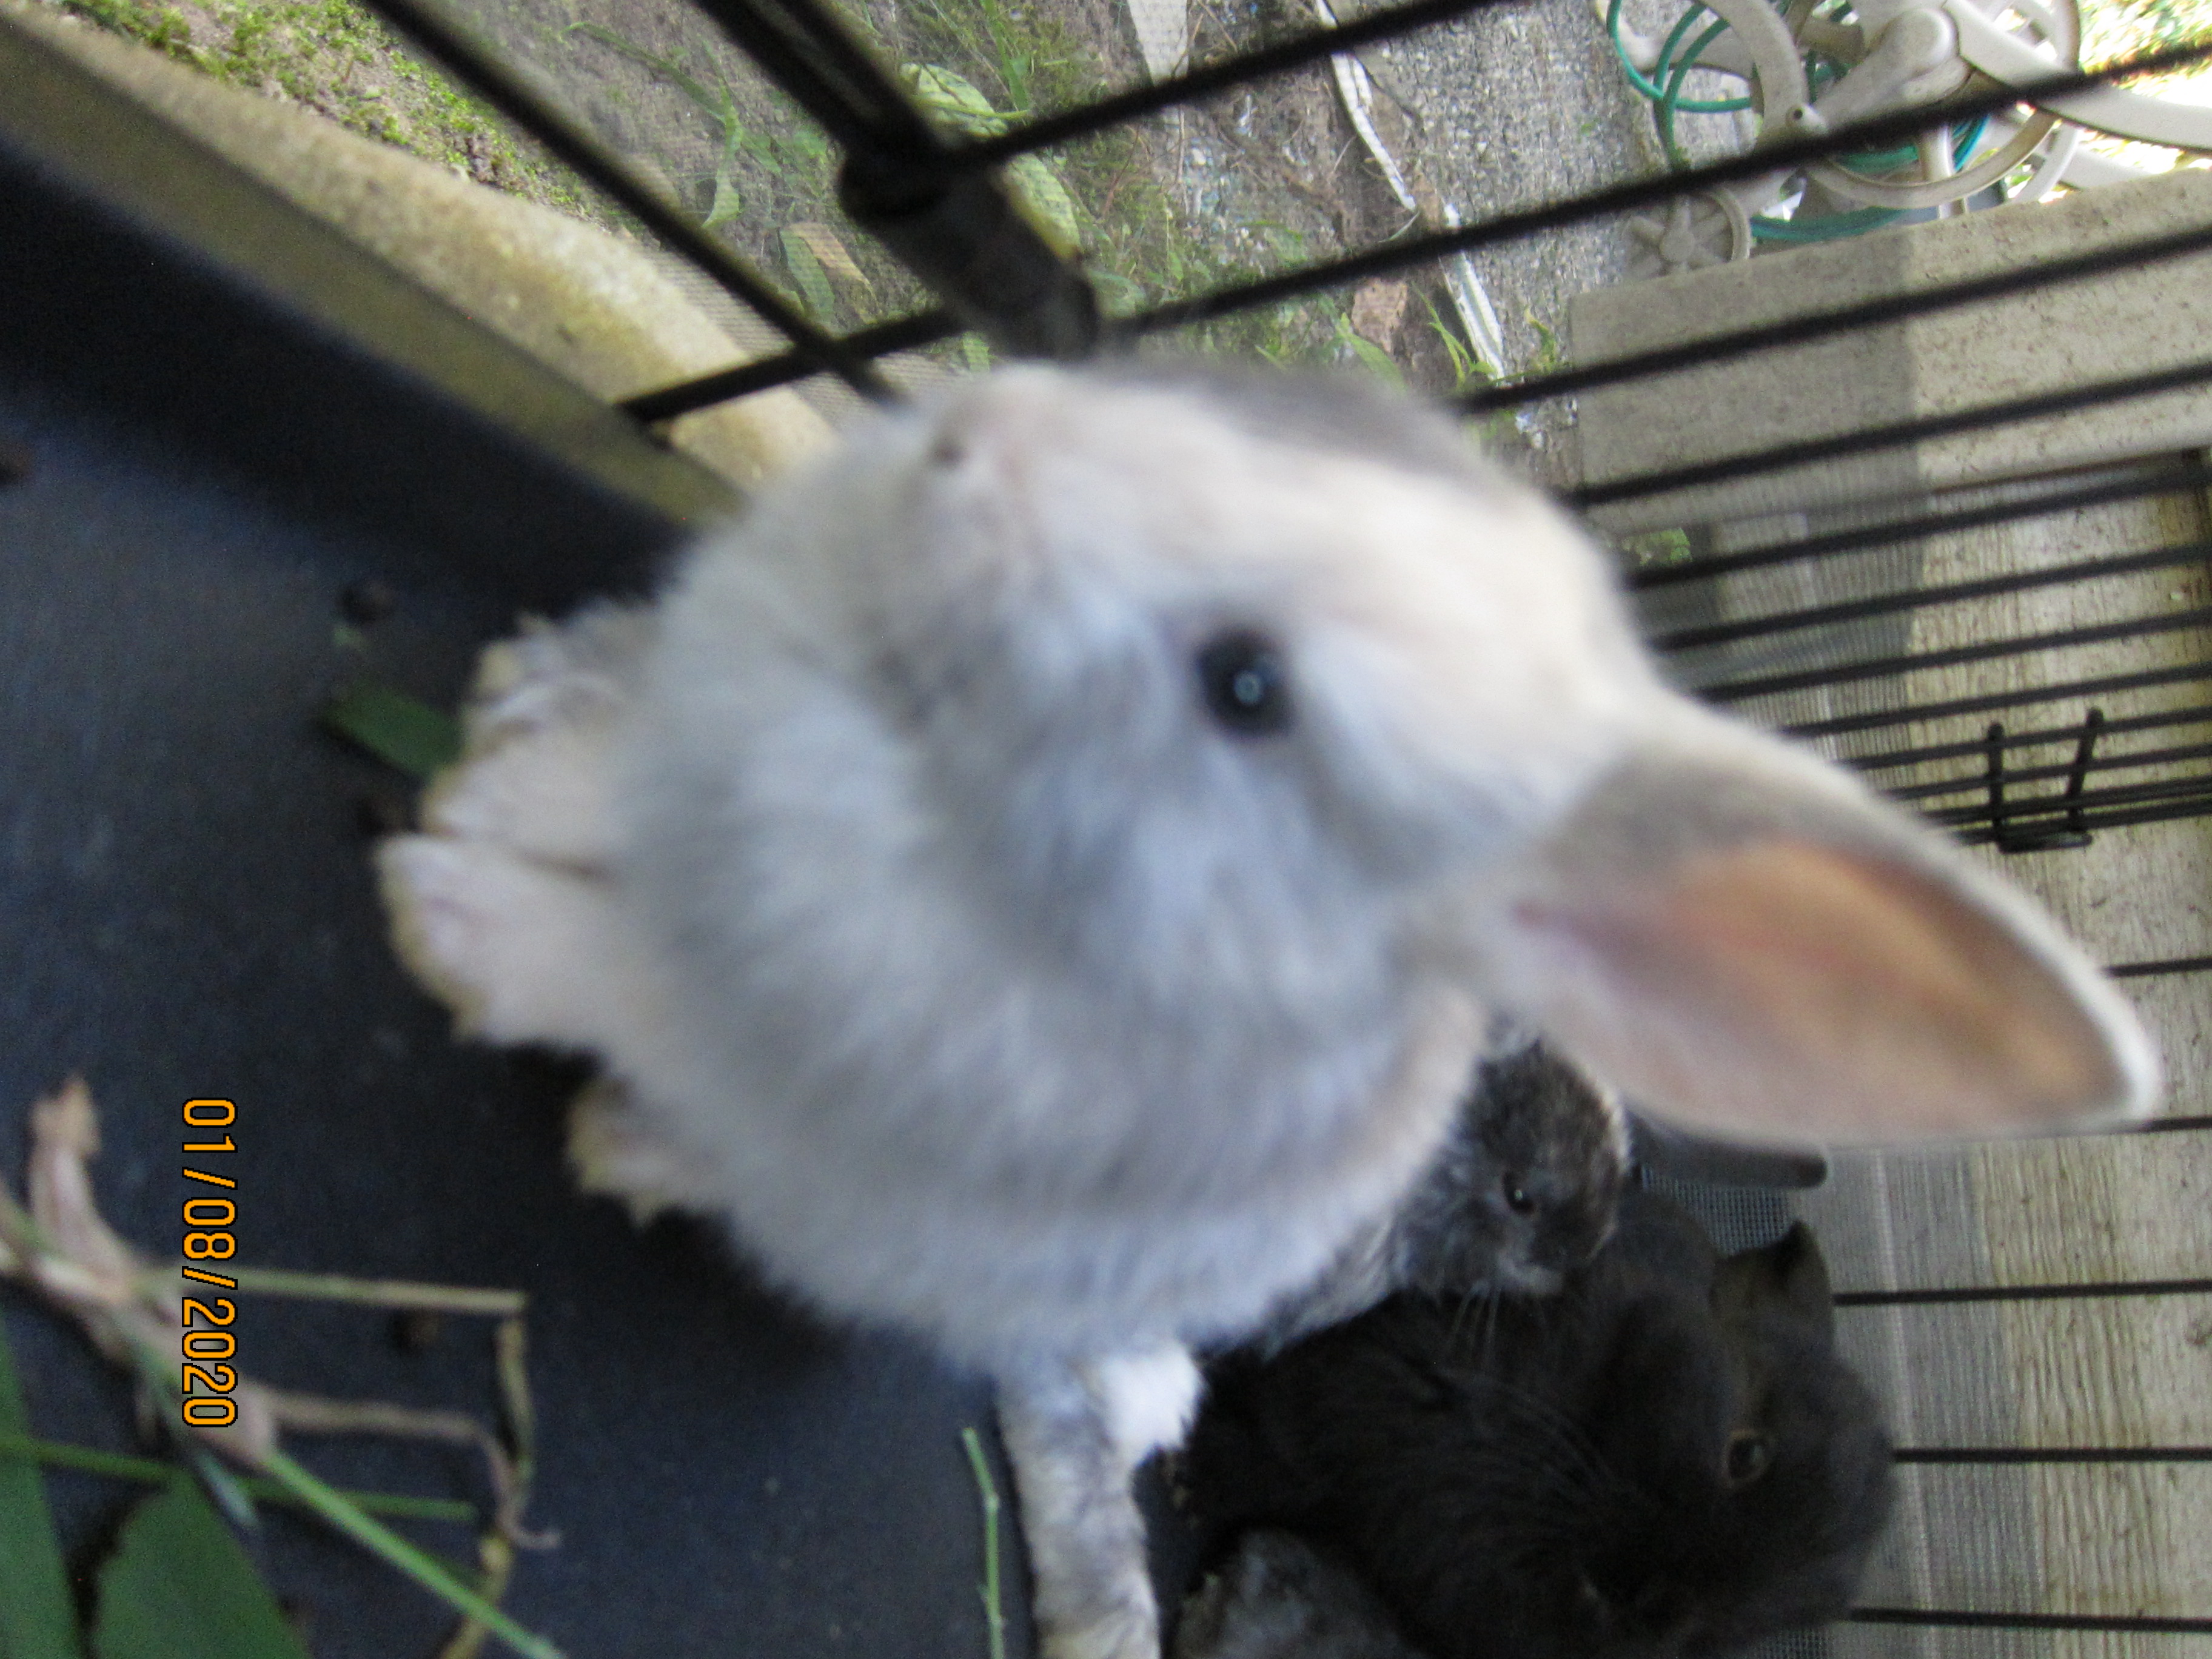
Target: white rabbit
(1045, 875)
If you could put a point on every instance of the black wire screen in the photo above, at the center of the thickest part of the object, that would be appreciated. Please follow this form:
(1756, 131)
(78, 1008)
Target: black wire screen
(924, 163)
(2028, 663)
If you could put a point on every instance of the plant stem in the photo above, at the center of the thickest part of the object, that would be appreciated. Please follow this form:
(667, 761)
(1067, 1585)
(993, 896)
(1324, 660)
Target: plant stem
(380, 1293)
(433, 1575)
(988, 1491)
(151, 1471)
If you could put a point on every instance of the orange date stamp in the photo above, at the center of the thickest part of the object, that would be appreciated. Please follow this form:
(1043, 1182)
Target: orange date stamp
(209, 1220)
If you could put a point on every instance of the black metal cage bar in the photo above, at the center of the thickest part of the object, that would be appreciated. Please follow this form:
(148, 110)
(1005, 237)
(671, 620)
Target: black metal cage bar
(1994, 1455)
(1922, 599)
(1938, 1295)
(908, 185)
(1961, 1620)
(940, 204)
(1410, 251)
(2150, 481)
(2194, 714)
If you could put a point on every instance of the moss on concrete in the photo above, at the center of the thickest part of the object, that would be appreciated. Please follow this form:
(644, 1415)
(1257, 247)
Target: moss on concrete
(332, 57)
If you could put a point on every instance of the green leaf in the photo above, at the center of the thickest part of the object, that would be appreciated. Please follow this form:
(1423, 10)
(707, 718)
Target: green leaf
(36, 1620)
(1118, 292)
(178, 1587)
(399, 730)
(1372, 356)
(954, 100)
(1466, 371)
(813, 281)
(147, 1472)
(1051, 210)
(390, 1546)
(1037, 190)
(831, 253)
(1014, 70)
(669, 68)
(729, 202)
(1550, 355)
(223, 1489)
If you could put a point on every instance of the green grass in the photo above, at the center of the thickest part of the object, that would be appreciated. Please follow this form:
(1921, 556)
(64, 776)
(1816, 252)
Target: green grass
(2113, 28)
(746, 160)
(1139, 245)
(334, 57)
(741, 156)
(36, 1618)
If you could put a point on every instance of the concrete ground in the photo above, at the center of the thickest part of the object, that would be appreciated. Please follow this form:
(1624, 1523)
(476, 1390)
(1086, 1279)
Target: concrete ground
(1518, 105)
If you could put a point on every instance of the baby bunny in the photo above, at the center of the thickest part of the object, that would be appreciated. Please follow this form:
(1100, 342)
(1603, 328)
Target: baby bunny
(1042, 878)
(1667, 1459)
(1522, 1189)
(1277, 1597)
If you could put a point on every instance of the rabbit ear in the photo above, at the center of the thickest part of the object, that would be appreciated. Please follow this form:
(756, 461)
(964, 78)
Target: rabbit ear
(1743, 940)
(1791, 1271)
(1684, 1157)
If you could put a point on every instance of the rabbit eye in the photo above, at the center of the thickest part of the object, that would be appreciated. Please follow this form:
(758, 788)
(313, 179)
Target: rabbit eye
(1246, 689)
(1517, 1198)
(1746, 1457)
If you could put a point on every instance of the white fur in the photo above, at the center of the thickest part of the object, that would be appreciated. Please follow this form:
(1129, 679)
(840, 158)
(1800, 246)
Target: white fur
(986, 986)
(1149, 1399)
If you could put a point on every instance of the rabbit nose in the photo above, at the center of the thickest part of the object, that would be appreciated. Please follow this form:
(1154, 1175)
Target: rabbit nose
(1003, 417)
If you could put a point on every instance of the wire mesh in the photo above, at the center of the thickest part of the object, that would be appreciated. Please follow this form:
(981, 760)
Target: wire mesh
(890, 145)
(1986, 698)
(904, 220)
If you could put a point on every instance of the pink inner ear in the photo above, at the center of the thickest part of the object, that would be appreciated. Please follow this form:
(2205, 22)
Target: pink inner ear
(1786, 991)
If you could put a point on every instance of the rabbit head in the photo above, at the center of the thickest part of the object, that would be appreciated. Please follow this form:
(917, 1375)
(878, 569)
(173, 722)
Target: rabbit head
(1145, 697)
(1522, 1189)
(1760, 1462)
(1246, 704)
(1525, 1187)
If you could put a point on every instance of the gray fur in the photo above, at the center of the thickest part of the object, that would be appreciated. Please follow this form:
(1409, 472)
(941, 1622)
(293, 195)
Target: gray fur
(952, 952)
(1277, 1597)
(1531, 1123)
(1079, 1514)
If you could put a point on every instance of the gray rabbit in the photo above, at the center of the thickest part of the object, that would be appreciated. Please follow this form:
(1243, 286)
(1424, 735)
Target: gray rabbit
(1278, 1597)
(1523, 1190)
(1044, 876)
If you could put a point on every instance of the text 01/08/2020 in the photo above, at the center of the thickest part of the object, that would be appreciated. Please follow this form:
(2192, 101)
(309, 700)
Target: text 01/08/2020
(209, 1221)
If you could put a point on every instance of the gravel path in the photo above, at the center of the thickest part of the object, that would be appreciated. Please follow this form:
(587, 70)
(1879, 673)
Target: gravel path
(1513, 106)
(1518, 106)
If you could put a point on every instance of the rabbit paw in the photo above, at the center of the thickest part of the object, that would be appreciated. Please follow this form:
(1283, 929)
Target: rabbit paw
(1074, 1431)
(557, 674)
(1128, 1633)
(515, 949)
(501, 907)
(616, 1149)
(535, 773)
(545, 796)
